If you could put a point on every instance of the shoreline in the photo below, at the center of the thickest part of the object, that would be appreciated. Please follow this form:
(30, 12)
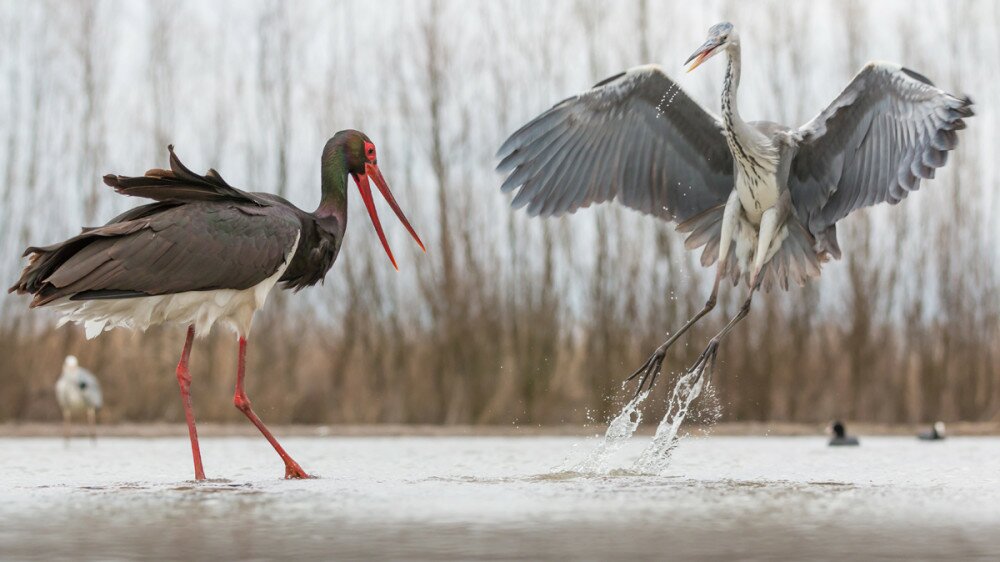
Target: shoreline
(723, 429)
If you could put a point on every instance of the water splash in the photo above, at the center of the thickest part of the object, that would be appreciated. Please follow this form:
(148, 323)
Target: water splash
(621, 428)
(667, 99)
(656, 456)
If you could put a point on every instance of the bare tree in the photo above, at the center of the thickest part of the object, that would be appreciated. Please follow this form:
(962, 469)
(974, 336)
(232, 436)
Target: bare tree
(507, 317)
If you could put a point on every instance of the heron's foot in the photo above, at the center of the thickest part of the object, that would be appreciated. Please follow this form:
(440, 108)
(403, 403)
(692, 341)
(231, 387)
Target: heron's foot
(294, 471)
(706, 361)
(650, 370)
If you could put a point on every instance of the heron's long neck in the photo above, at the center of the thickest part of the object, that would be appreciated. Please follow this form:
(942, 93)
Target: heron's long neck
(730, 114)
(749, 148)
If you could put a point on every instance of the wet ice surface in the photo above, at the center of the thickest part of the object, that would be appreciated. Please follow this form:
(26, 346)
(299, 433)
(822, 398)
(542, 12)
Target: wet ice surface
(500, 498)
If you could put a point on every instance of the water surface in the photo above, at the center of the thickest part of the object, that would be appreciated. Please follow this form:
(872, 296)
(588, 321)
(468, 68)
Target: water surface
(500, 498)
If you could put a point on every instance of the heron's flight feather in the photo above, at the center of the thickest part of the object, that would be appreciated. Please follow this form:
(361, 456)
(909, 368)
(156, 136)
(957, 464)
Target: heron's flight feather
(635, 137)
(889, 129)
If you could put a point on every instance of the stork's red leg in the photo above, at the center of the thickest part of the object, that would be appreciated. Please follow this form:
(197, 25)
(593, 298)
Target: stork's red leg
(242, 402)
(184, 380)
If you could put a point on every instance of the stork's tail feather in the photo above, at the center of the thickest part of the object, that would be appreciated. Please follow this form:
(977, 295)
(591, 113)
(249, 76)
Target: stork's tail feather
(179, 184)
(30, 278)
(44, 261)
(41, 263)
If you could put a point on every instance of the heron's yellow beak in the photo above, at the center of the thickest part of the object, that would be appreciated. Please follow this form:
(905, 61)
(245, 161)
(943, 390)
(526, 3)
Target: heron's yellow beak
(698, 60)
(703, 53)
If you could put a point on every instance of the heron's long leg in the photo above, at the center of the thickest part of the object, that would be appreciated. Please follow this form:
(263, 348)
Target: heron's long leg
(184, 381)
(92, 421)
(242, 402)
(740, 315)
(66, 426)
(650, 370)
(707, 357)
(768, 229)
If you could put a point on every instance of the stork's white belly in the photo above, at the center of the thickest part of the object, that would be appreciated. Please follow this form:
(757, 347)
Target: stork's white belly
(757, 194)
(234, 308)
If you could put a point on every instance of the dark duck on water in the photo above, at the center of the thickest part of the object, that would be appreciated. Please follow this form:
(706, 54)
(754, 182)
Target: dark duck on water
(203, 253)
(840, 436)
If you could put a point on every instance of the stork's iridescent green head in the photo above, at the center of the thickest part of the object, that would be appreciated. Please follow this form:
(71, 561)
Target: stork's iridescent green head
(352, 152)
(719, 36)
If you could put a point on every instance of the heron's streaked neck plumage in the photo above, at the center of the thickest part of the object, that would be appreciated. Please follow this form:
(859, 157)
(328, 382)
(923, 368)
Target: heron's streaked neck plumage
(751, 150)
(730, 113)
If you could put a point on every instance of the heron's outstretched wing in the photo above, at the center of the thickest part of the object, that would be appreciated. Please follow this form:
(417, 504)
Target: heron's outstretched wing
(888, 130)
(635, 137)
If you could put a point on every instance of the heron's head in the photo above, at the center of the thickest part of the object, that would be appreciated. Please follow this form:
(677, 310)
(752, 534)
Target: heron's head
(70, 362)
(720, 36)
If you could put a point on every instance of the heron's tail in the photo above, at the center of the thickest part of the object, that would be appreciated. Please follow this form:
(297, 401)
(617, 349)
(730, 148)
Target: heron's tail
(795, 260)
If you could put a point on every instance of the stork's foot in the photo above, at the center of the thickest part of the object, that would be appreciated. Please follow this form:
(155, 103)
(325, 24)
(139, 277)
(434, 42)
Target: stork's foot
(650, 370)
(294, 471)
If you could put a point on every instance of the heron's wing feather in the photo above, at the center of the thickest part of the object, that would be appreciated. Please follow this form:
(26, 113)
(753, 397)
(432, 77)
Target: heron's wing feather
(890, 128)
(635, 137)
(191, 247)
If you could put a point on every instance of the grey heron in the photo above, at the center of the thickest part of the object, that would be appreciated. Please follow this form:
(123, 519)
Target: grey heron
(78, 391)
(762, 199)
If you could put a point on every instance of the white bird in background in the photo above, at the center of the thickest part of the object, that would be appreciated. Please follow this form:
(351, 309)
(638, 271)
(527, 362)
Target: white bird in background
(77, 390)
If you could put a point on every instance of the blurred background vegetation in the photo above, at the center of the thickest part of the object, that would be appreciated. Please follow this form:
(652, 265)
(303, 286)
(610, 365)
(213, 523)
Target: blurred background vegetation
(506, 319)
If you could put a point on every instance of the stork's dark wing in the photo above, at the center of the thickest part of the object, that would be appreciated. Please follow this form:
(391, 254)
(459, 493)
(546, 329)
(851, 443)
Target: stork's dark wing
(191, 247)
(180, 184)
(888, 130)
(635, 137)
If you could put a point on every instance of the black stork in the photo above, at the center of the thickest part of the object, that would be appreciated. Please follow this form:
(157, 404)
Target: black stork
(204, 252)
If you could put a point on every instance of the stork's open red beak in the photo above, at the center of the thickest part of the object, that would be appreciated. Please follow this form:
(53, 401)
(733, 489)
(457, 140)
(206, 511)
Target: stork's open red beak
(371, 170)
(702, 54)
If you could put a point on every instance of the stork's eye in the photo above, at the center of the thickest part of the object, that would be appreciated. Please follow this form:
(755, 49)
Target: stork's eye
(370, 151)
